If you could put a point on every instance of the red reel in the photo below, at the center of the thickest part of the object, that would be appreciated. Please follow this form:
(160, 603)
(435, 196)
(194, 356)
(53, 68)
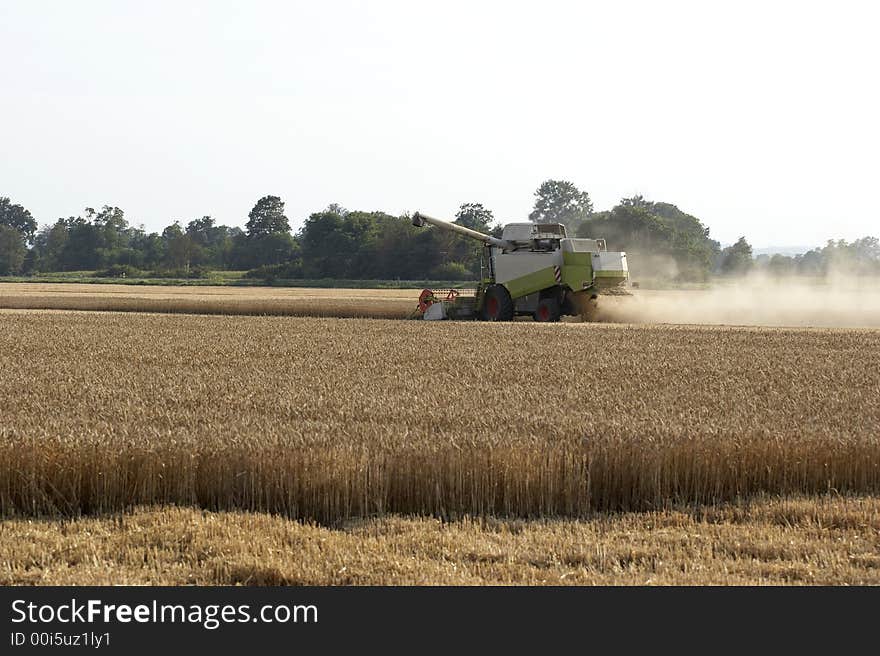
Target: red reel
(426, 299)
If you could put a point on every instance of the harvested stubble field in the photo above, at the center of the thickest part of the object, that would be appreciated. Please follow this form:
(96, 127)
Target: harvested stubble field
(819, 541)
(330, 420)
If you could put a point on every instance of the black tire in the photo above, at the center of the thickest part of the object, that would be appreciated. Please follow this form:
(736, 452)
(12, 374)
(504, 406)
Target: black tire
(548, 310)
(497, 304)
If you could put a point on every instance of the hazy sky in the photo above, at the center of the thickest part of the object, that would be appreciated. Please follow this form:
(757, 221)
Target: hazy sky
(759, 118)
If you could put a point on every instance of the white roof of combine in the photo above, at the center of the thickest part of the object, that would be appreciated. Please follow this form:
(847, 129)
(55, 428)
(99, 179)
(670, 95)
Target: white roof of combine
(528, 231)
(583, 245)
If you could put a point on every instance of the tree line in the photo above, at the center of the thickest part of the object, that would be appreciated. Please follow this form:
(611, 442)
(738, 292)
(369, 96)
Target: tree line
(661, 240)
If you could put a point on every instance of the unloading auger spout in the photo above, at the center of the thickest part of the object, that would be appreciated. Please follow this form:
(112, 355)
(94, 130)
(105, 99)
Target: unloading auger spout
(419, 220)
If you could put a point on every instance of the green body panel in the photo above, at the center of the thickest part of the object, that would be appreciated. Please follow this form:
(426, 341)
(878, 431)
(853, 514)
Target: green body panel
(531, 283)
(576, 259)
(577, 269)
(577, 274)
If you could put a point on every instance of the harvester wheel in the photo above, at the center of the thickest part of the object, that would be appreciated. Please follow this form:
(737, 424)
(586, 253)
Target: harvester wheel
(548, 310)
(497, 304)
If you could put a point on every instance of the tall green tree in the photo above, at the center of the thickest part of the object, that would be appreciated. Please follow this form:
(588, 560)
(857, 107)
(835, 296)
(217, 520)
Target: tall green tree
(17, 217)
(737, 258)
(110, 228)
(462, 254)
(267, 218)
(630, 228)
(12, 250)
(81, 246)
(212, 242)
(267, 239)
(474, 216)
(49, 246)
(98, 239)
(179, 247)
(662, 240)
(560, 201)
(336, 245)
(375, 245)
(149, 248)
(862, 256)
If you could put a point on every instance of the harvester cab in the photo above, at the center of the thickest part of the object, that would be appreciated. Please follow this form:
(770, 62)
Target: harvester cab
(533, 269)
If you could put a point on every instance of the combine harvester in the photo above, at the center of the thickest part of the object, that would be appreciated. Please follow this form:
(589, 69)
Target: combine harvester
(534, 269)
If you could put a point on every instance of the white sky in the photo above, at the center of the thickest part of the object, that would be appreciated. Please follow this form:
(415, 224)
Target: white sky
(759, 118)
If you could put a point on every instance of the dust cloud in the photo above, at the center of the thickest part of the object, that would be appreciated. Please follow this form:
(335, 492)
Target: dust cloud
(653, 267)
(836, 301)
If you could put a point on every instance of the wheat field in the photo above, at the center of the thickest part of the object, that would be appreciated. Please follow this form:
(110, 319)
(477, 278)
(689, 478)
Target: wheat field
(320, 422)
(320, 419)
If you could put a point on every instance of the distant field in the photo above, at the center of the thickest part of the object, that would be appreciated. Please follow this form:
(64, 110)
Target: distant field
(223, 278)
(763, 303)
(377, 303)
